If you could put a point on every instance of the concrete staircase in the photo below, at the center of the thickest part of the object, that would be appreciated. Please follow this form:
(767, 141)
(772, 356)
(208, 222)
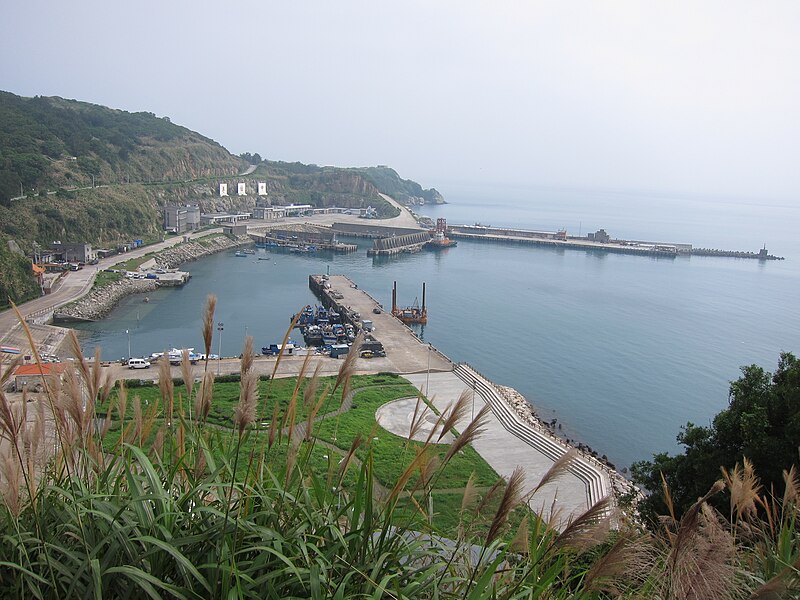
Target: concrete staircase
(596, 482)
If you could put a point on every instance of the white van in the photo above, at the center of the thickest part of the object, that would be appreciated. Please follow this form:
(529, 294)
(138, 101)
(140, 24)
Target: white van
(138, 363)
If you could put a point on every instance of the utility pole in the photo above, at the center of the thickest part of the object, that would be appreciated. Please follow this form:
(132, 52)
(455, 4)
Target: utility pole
(428, 374)
(220, 328)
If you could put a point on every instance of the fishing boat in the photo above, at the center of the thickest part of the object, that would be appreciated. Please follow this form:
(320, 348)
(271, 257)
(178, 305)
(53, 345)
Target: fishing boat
(313, 335)
(440, 239)
(240, 254)
(329, 337)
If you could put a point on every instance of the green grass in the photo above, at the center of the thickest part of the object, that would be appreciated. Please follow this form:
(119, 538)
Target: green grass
(134, 263)
(105, 278)
(391, 453)
(226, 397)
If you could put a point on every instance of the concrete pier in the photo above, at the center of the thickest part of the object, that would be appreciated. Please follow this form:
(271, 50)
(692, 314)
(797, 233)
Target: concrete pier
(405, 352)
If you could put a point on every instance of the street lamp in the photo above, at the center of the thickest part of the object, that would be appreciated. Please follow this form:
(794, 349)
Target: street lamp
(428, 373)
(220, 328)
(473, 399)
(128, 332)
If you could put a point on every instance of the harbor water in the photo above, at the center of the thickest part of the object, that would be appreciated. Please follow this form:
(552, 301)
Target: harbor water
(621, 350)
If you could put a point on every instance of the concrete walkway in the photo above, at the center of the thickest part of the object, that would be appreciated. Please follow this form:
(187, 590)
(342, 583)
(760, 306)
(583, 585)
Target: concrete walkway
(557, 501)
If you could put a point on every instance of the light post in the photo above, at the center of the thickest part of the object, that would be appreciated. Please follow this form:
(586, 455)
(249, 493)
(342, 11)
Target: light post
(128, 332)
(473, 399)
(428, 373)
(220, 328)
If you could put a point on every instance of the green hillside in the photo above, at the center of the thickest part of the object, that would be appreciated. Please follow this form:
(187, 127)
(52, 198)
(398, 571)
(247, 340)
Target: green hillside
(80, 172)
(390, 183)
(53, 142)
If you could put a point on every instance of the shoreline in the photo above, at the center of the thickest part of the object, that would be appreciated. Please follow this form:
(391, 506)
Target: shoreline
(98, 303)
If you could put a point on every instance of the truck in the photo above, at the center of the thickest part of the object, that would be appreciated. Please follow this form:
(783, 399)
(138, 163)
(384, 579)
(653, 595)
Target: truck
(338, 350)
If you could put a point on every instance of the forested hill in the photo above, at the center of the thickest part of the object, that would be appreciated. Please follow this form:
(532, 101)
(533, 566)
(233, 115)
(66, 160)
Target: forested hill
(50, 142)
(390, 183)
(80, 172)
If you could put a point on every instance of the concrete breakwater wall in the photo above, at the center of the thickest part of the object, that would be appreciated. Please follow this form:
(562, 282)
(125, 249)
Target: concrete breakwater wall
(760, 255)
(98, 303)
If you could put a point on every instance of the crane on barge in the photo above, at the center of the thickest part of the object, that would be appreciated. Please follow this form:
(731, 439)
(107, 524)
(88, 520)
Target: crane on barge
(410, 314)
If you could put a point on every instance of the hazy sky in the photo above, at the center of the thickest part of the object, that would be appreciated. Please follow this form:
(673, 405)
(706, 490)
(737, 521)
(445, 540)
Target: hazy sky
(693, 96)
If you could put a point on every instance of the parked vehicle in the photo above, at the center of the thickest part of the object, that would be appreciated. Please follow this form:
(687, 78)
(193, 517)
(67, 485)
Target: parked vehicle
(338, 350)
(138, 363)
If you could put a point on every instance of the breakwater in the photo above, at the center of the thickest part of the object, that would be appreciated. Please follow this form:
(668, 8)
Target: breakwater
(596, 242)
(99, 302)
(760, 255)
(550, 240)
(410, 242)
(197, 248)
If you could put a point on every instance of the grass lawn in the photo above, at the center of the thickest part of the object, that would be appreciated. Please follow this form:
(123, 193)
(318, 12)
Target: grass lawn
(104, 278)
(134, 263)
(392, 453)
(226, 397)
(333, 436)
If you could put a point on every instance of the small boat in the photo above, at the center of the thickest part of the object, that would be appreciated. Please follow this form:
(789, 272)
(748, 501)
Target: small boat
(240, 254)
(249, 251)
(263, 258)
(313, 335)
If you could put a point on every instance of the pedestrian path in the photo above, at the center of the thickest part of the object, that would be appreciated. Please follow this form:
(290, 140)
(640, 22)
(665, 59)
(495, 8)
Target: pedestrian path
(508, 442)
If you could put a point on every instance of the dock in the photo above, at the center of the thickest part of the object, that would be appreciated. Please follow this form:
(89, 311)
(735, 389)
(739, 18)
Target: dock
(405, 352)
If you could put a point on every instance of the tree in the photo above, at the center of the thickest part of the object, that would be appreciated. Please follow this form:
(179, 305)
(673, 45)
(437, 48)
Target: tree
(762, 423)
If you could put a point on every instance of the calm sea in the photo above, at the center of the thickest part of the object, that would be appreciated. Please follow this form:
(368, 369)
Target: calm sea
(621, 350)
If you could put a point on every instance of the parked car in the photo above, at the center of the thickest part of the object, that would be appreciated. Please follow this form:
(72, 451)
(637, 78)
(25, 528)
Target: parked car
(138, 363)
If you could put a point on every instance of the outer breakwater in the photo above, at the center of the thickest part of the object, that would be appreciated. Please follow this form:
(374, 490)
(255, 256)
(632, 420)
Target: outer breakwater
(602, 243)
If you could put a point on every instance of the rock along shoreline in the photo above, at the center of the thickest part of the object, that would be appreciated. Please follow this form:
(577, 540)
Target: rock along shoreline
(98, 303)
